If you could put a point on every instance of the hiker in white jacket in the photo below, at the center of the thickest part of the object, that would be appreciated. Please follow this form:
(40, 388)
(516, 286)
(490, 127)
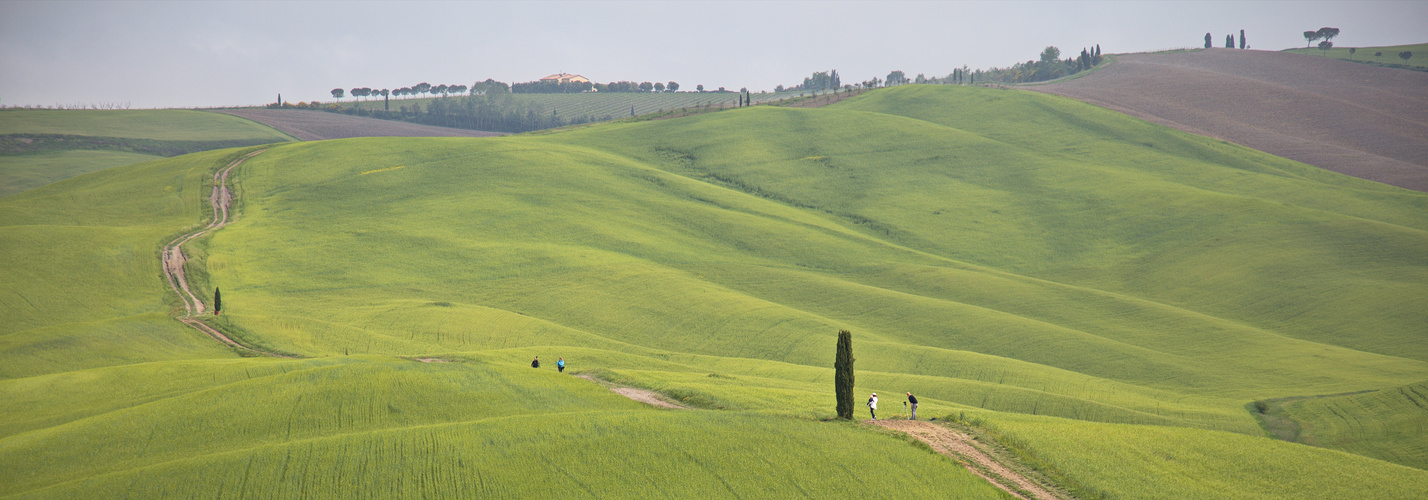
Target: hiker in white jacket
(873, 405)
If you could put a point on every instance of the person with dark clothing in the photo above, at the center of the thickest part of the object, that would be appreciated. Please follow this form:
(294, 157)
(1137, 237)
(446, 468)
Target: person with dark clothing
(560, 364)
(873, 406)
(913, 399)
(535, 363)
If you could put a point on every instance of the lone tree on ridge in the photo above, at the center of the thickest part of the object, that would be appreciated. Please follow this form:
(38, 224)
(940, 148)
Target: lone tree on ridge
(1405, 56)
(843, 375)
(217, 301)
(338, 93)
(1207, 40)
(1327, 33)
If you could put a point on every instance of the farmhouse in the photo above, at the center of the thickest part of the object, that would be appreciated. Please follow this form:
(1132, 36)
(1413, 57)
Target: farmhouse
(563, 78)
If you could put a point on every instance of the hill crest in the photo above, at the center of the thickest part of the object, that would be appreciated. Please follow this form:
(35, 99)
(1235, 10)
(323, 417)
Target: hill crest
(1354, 119)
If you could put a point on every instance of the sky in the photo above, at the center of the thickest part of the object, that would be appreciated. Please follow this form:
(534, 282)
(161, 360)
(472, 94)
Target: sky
(244, 53)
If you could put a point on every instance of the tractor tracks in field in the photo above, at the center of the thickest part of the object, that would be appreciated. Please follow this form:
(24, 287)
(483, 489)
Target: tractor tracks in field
(964, 449)
(173, 259)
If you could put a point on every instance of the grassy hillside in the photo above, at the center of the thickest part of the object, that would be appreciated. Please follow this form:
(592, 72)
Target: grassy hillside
(1389, 424)
(1105, 294)
(159, 124)
(1388, 57)
(81, 285)
(1202, 225)
(383, 428)
(38, 147)
(1131, 461)
(22, 172)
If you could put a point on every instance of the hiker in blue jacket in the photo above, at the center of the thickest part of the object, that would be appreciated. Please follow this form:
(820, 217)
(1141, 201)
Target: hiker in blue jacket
(560, 364)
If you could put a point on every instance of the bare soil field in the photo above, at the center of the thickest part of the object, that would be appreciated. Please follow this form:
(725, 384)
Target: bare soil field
(1355, 119)
(308, 125)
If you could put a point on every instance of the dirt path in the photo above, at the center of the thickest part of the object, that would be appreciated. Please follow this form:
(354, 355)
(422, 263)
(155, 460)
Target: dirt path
(173, 259)
(962, 447)
(645, 396)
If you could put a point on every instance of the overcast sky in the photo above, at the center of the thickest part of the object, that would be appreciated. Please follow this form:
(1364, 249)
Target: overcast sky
(209, 53)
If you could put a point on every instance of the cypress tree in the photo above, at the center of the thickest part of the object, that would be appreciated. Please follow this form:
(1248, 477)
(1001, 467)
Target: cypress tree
(843, 374)
(1242, 39)
(217, 301)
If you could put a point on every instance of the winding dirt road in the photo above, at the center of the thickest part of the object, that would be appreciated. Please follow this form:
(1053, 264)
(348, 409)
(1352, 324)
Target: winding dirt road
(961, 447)
(173, 259)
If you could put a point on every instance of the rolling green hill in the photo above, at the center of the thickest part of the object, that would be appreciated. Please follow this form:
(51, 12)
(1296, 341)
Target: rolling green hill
(79, 280)
(38, 147)
(1389, 423)
(1106, 294)
(1388, 55)
(383, 428)
(157, 124)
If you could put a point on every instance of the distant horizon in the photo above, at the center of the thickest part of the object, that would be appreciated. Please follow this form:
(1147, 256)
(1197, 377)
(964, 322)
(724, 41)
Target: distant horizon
(158, 55)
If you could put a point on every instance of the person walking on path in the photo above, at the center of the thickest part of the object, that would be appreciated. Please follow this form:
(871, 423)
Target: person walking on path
(873, 405)
(913, 399)
(535, 363)
(560, 364)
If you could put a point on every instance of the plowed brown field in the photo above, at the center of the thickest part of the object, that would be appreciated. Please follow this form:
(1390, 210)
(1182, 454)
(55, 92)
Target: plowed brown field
(1355, 119)
(310, 125)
